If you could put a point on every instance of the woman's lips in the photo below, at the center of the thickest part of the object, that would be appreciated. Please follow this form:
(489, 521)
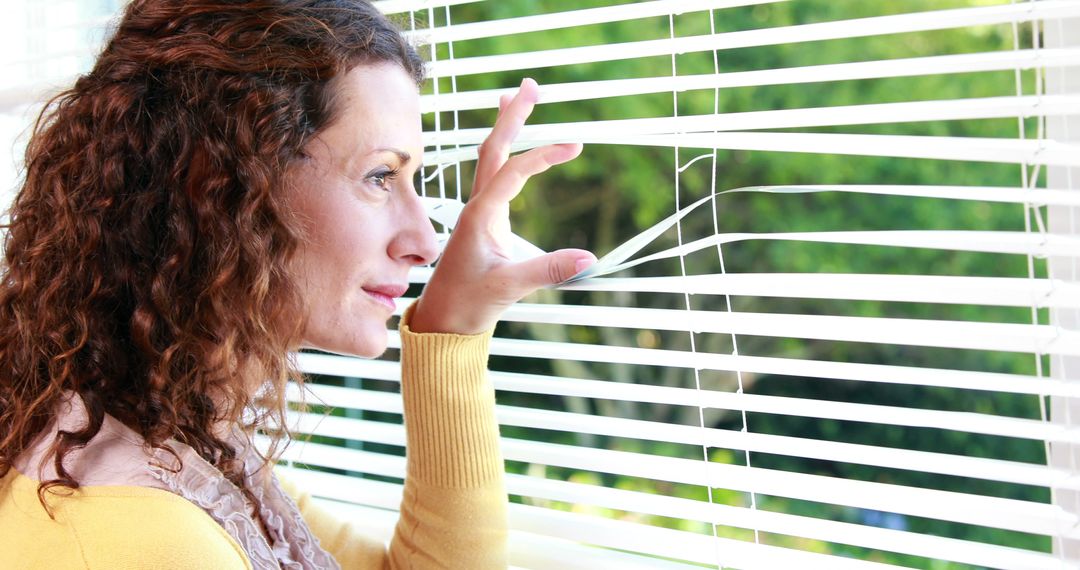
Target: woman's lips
(385, 294)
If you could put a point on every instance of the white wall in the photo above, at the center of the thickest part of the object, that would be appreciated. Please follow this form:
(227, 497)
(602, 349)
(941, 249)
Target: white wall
(44, 44)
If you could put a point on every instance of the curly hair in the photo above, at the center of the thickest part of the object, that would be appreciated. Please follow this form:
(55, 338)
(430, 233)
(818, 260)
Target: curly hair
(146, 261)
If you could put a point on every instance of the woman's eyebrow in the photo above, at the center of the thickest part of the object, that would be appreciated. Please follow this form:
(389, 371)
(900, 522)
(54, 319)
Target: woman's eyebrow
(403, 156)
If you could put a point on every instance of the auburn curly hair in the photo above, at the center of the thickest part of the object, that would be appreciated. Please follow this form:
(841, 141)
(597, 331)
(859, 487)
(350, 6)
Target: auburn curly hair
(147, 252)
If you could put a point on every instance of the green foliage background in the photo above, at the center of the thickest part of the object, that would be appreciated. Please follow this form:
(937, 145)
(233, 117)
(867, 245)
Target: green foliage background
(611, 193)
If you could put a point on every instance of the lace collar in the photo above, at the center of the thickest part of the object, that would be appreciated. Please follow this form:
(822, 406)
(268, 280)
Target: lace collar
(117, 456)
(288, 544)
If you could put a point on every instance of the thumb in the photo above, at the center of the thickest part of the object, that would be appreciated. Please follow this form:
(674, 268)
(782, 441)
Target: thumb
(554, 268)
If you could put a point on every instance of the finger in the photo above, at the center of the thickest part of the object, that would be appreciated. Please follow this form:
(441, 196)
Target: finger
(486, 168)
(493, 153)
(552, 268)
(495, 149)
(504, 100)
(511, 178)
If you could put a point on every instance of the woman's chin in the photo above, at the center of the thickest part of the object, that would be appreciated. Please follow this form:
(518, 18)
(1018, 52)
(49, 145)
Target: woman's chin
(370, 345)
(371, 351)
(370, 348)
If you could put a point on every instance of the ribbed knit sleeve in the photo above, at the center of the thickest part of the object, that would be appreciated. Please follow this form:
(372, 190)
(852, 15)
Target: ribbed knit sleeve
(453, 513)
(449, 409)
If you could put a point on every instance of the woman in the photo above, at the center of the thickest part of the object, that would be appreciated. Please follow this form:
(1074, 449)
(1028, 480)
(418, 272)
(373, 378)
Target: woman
(232, 182)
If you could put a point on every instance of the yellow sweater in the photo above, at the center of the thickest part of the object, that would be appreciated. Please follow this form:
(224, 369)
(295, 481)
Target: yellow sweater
(453, 514)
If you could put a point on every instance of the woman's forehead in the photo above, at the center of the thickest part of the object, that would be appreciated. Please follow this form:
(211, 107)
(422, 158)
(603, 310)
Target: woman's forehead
(378, 107)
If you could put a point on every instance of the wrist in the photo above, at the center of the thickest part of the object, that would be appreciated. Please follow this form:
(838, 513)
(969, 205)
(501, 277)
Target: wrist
(432, 316)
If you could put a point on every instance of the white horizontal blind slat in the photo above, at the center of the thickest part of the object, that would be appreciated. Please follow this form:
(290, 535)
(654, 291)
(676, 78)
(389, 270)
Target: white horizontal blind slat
(974, 149)
(911, 111)
(861, 70)
(542, 551)
(881, 25)
(1031, 196)
(896, 458)
(579, 17)
(673, 544)
(997, 291)
(544, 384)
(987, 424)
(918, 332)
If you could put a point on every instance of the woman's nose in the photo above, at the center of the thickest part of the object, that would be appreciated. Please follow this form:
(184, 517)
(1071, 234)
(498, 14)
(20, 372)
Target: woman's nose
(415, 243)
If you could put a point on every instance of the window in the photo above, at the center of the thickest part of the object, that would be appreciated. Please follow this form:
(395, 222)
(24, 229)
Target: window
(854, 355)
(45, 44)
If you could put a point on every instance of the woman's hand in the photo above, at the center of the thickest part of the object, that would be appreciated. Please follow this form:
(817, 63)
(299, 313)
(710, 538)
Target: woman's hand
(475, 280)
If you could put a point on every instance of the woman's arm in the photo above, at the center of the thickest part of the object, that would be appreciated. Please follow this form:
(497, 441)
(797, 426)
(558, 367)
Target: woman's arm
(453, 513)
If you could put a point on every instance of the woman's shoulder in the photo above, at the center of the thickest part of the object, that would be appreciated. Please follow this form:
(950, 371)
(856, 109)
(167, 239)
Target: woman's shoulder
(117, 526)
(121, 516)
(115, 456)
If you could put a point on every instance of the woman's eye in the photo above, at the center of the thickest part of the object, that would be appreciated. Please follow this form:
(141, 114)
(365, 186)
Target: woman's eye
(383, 179)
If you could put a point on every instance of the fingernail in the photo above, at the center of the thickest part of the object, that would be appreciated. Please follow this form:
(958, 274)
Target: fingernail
(582, 264)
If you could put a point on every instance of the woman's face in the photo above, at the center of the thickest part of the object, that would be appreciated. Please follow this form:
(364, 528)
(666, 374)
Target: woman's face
(364, 223)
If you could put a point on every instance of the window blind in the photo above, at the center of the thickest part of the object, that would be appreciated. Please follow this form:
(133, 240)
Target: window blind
(854, 353)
